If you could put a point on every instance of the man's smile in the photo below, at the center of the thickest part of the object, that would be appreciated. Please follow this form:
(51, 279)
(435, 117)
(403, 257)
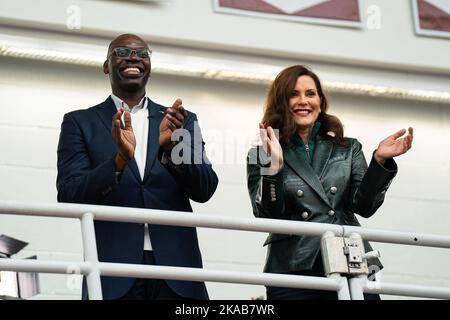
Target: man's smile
(131, 71)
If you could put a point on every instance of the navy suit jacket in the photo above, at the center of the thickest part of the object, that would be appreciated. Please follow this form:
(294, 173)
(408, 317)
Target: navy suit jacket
(86, 174)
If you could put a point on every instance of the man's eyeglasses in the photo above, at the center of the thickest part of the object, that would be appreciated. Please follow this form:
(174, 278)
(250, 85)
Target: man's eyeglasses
(124, 52)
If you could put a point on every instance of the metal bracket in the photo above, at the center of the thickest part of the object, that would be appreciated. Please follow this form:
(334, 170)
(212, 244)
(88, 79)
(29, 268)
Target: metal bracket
(345, 255)
(354, 252)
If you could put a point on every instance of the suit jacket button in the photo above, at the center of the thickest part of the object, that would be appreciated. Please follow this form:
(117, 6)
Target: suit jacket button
(331, 213)
(299, 193)
(333, 190)
(305, 215)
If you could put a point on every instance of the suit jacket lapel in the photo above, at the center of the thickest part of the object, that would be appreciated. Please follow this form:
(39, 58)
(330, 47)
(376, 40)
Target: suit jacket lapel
(106, 112)
(322, 153)
(303, 169)
(155, 118)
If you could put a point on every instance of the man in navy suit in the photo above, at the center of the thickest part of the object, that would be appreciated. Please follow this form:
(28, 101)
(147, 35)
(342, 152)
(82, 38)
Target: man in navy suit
(120, 153)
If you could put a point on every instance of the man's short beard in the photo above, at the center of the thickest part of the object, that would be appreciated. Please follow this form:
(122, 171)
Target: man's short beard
(132, 87)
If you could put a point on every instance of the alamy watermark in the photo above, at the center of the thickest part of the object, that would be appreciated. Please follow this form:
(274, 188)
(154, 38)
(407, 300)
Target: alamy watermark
(73, 20)
(224, 147)
(74, 281)
(374, 277)
(373, 21)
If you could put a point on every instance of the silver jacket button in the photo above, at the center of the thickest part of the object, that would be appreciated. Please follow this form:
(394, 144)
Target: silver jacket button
(299, 193)
(331, 213)
(333, 190)
(305, 215)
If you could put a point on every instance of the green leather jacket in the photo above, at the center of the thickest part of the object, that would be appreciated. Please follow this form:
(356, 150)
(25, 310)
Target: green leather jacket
(337, 185)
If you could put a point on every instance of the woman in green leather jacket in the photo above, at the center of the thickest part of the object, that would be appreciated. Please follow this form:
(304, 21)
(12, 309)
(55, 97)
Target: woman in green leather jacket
(315, 174)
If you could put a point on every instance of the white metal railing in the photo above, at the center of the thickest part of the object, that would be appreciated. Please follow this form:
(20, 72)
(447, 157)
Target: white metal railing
(352, 288)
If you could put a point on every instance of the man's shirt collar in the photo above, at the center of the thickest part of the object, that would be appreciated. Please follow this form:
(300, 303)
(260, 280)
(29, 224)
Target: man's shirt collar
(120, 103)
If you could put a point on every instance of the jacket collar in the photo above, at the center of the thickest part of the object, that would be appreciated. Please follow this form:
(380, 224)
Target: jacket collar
(322, 153)
(295, 139)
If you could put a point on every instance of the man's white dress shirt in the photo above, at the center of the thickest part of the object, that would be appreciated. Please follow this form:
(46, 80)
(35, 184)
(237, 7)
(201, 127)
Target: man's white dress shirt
(139, 122)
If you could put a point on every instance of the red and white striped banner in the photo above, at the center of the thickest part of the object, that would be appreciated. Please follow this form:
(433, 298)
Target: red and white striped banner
(330, 12)
(432, 17)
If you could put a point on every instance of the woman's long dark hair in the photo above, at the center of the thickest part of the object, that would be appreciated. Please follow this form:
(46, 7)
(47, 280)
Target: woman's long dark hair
(277, 113)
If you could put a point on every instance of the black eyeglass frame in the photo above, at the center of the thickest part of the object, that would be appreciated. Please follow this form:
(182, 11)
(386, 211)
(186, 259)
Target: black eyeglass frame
(131, 51)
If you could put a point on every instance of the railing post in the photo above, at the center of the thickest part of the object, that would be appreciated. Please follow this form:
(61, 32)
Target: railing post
(357, 286)
(357, 282)
(90, 255)
(343, 293)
